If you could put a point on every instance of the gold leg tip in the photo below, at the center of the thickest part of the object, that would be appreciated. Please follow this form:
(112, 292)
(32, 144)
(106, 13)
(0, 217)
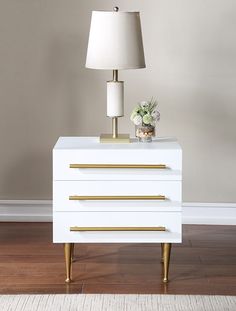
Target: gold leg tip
(165, 280)
(68, 280)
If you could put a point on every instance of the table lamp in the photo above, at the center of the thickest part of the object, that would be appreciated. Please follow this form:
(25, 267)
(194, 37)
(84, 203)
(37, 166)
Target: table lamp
(115, 42)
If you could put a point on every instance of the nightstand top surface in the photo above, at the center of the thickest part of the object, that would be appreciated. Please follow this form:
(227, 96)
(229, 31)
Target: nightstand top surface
(68, 143)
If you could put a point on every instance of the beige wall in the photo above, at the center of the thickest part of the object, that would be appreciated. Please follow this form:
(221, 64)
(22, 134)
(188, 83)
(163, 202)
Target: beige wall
(45, 91)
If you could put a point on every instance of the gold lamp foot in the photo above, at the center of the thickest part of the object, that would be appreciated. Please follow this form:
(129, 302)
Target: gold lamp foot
(68, 280)
(120, 138)
(166, 260)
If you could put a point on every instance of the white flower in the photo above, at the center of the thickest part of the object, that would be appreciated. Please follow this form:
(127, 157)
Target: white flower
(133, 115)
(137, 108)
(147, 119)
(143, 103)
(156, 115)
(137, 120)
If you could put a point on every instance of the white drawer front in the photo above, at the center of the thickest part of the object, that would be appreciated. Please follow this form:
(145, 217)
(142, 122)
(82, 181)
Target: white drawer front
(64, 190)
(63, 159)
(62, 223)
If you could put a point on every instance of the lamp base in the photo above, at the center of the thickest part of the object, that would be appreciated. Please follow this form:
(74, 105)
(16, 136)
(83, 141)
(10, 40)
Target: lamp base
(120, 139)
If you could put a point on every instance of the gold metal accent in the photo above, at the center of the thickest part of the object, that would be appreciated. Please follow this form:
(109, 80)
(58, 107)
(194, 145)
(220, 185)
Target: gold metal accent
(68, 253)
(115, 197)
(166, 260)
(146, 166)
(117, 228)
(115, 127)
(115, 75)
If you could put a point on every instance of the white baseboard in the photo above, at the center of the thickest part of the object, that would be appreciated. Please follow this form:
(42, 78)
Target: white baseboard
(209, 213)
(193, 213)
(26, 210)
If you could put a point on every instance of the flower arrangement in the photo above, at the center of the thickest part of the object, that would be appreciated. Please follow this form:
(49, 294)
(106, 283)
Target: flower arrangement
(145, 113)
(144, 116)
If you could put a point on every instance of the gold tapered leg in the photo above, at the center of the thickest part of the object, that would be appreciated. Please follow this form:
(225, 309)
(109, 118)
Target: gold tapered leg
(68, 249)
(166, 260)
(162, 252)
(72, 252)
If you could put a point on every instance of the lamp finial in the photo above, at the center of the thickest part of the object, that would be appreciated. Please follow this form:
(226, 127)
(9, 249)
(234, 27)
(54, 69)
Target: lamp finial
(116, 9)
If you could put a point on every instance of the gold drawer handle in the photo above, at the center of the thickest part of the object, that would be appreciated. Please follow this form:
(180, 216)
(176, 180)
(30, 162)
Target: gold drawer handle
(156, 166)
(116, 197)
(117, 229)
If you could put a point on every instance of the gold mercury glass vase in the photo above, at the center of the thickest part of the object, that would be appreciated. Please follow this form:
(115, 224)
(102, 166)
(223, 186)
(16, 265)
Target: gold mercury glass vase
(144, 132)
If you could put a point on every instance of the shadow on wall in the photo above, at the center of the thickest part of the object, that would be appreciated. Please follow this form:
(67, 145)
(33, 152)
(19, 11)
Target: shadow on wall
(57, 110)
(74, 89)
(64, 62)
(29, 177)
(63, 103)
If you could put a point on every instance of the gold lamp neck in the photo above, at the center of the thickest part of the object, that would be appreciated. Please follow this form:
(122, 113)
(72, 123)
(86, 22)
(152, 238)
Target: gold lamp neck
(114, 127)
(115, 75)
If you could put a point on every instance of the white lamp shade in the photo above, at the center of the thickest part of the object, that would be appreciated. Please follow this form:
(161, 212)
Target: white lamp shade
(115, 41)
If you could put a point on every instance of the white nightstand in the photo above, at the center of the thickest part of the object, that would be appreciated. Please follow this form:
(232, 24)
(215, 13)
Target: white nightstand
(117, 193)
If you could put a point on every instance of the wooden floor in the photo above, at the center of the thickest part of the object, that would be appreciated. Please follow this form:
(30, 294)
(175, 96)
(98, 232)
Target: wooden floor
(204, 264)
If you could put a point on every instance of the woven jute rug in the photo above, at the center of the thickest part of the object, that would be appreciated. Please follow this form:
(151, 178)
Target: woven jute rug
(98, 302)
